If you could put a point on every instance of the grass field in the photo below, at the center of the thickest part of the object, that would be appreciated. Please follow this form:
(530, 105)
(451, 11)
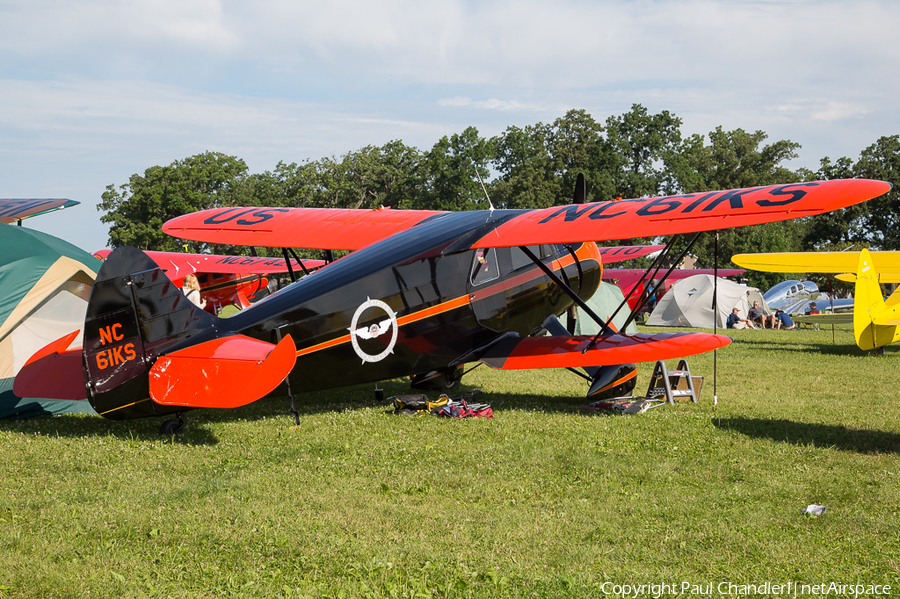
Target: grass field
(545, 500)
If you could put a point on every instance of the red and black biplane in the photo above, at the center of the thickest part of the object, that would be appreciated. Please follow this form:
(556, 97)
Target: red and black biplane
(421, 291)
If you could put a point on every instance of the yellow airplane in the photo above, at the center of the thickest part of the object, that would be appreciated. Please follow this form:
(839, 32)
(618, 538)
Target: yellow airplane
(876, 322)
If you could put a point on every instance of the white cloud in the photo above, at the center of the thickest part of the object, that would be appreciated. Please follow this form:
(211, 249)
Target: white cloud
(491, 104)
(47, 26)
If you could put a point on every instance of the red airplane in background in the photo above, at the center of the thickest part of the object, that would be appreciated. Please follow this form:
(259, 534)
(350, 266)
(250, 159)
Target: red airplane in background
(635, 283)
(224, 280)
(420, 291)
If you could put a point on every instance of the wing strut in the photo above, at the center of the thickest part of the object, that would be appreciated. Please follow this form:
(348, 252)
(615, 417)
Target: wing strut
(604, 326)
(287, 253)
(656, 267)
(287, 261)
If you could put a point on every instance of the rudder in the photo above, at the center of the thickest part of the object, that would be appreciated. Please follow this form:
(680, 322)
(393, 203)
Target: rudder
(135, 314)
(869, 307)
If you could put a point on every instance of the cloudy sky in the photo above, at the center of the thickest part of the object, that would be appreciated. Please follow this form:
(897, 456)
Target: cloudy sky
(94, 91)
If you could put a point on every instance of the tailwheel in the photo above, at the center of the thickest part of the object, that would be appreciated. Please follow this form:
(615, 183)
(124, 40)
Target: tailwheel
(172, 426)
(438, 380)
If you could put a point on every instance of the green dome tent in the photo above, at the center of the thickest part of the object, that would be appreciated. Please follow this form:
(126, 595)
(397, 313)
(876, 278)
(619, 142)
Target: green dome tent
(45, 283)
(604, 303)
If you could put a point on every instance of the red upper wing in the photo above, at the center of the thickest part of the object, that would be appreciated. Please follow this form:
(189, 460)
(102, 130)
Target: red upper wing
(690, 213)
(602, 221)
(177, 264)
(325, 228)
(12, 210)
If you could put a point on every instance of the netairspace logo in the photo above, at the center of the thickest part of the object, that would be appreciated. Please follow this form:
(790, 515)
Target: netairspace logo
(732, 589)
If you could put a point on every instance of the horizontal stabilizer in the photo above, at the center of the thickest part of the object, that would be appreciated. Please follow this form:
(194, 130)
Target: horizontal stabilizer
(54, 372)
(885, 278)
(568, 351)
(887, 321)
(824, 319)
(223, 373)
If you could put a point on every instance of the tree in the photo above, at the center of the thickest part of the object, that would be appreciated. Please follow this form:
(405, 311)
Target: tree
(881, 222)
(137, 210)
(371, 177)
(735, 159)
(538, 165)
(527, 176)
(449, 172)
(290, 185)
(639, 145)
(839, 229)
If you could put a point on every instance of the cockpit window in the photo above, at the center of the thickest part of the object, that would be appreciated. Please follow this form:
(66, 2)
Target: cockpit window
(520, 260)
(485, 267)
(551, 250)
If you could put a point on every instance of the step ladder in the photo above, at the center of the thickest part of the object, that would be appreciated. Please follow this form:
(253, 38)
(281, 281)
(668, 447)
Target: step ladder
(666, 382)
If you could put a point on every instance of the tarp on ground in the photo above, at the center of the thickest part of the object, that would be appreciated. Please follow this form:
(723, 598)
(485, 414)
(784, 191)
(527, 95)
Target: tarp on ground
(689, 303)
(45, 283)
(604, 302)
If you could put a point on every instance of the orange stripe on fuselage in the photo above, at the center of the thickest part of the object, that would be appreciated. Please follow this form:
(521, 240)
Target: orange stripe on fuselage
(403, 320)
(627, 377)
(134, 403)
(324, 345)
(434, 310)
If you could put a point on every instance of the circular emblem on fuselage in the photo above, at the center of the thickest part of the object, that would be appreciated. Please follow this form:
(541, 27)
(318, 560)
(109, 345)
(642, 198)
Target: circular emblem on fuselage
(385, 324)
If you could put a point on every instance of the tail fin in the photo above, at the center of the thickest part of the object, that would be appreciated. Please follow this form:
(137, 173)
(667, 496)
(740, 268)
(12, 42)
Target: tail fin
(875, 323)
(136, 317)
(135, 314)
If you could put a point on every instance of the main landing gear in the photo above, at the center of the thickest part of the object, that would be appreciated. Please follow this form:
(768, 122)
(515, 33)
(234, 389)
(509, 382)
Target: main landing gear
(172, 425)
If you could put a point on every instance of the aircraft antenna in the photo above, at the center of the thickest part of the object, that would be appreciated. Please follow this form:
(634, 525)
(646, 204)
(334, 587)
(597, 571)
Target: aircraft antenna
(715, 309)
(483, 188)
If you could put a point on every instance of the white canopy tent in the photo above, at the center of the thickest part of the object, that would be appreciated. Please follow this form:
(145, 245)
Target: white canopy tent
(689, 303)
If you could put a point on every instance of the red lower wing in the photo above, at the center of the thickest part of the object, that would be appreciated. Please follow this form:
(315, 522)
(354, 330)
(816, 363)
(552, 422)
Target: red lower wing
(568, 352)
